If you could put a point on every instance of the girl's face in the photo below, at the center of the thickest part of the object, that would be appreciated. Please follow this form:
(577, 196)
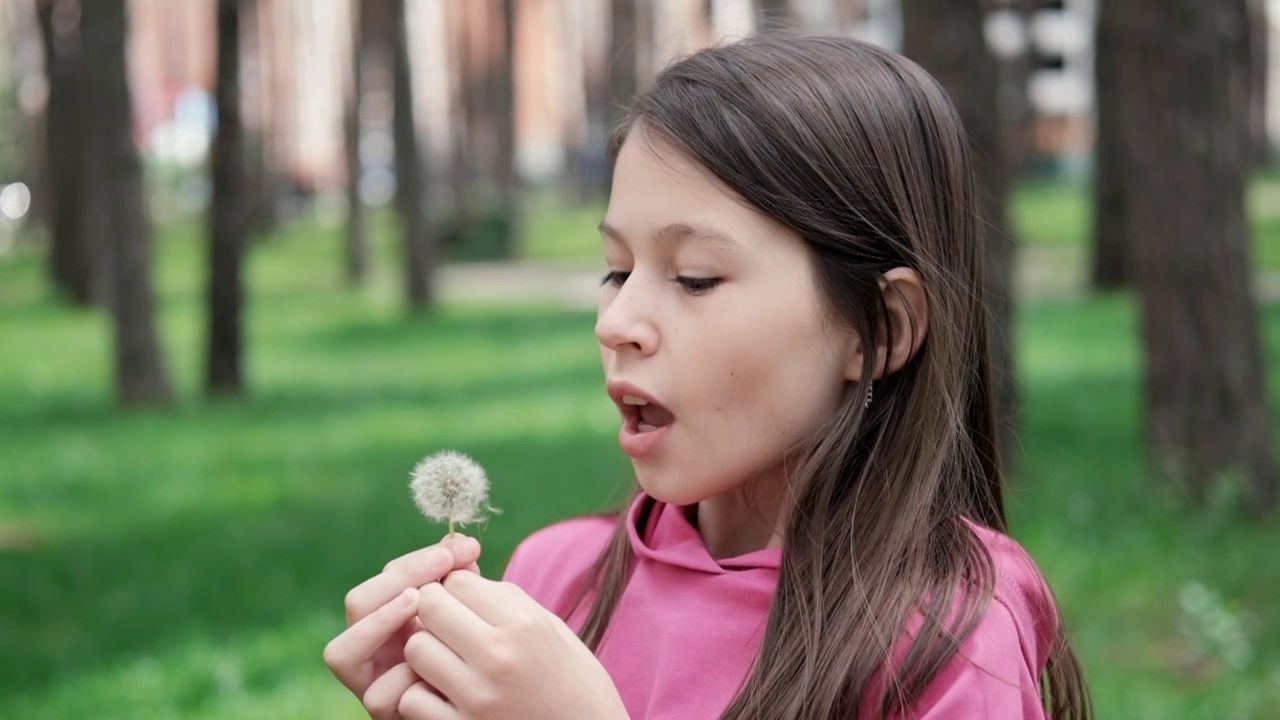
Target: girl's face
(710, 314)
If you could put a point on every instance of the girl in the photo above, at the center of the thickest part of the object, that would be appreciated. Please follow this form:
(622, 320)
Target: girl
(793, 329)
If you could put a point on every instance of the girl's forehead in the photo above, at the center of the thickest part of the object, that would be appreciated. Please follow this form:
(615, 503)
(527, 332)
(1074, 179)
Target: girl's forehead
(660, 191)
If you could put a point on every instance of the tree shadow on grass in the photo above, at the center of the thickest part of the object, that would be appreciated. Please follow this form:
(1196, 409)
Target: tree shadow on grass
(270, 406)
(504, 325)
(344, 347)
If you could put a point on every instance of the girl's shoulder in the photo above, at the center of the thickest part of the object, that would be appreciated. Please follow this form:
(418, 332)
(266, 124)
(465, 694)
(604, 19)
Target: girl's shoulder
(551, 564)
(997, 671)
(1022, 593)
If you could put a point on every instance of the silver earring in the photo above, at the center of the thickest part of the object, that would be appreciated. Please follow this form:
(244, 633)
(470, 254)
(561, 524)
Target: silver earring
(871, 390)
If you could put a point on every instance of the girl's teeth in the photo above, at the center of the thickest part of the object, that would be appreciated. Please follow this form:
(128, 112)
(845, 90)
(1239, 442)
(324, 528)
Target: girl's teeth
(632, 400)
(646, 427)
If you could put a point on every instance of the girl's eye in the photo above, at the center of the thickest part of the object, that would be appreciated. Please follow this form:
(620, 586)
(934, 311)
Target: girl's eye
(615, 277)
(698, 285)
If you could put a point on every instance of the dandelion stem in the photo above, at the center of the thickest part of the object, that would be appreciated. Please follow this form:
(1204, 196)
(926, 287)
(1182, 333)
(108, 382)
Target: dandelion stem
(451, 524)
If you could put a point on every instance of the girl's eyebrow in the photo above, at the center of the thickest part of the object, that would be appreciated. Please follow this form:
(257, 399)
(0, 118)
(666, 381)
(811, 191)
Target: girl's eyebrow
(676, 233)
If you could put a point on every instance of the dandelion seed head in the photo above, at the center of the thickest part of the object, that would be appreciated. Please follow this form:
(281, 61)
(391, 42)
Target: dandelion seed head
(450, 487)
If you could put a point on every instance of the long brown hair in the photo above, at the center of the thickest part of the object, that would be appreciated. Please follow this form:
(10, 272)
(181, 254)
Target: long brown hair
(861, 153)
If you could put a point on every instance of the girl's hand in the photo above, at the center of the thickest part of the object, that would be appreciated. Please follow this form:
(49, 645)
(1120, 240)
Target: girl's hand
(488, 651)
(368, 657)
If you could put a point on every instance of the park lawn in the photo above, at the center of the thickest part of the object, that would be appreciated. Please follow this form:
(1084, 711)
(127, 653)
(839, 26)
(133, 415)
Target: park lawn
(190, 562)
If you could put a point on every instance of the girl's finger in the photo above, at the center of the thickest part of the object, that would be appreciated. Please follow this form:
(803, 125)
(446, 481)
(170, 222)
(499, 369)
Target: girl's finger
(494, 602)
(446, 617)
(412, 570)
(346, 654)
(438, 665)
(419, 703)
(382, 699)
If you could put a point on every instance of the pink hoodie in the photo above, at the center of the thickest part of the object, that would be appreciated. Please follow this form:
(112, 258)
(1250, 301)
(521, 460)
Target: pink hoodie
(687, 628)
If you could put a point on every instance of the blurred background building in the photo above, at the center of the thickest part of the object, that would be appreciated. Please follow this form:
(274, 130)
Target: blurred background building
(297, 73)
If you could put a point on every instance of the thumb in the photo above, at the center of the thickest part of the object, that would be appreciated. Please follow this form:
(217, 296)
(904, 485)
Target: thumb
(465, 550)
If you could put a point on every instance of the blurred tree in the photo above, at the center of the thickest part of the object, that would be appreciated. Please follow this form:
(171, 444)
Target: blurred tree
(115, 216)
(1187, 122)
(261, 79)
(774, 15)
(421, 244)
(71, 259)
(483, 175)
(1114, 58)
(1259, 61)
(467, 127)
(502, 103)
(228, 215)
(947, 38)
(357, 247)
(1014, 102)
(585, 166)
(26, 132)
(628, 34)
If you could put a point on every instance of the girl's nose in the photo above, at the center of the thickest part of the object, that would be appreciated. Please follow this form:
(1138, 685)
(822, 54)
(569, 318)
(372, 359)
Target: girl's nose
(626, 321)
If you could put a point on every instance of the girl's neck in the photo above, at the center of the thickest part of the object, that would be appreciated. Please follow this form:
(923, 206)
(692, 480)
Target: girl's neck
(732, 525)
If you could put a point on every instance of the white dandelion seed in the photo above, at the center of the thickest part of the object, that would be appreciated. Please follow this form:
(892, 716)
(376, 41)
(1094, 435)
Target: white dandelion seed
(450, 487)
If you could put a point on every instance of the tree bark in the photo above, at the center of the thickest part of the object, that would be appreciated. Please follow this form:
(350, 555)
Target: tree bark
(357, 247)
(774, 15)
(420, 243)
(468, 132)
(1259, 62)
(70, 259)
(1187, 122)
(587, 158)
(228, 215)
(947, 39)
(624, 57)
(115, 204)
(1113, 164)
(503, 103)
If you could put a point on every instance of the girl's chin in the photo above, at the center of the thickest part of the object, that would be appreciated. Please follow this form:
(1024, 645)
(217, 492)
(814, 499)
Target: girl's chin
(662, 488)
(669, 488)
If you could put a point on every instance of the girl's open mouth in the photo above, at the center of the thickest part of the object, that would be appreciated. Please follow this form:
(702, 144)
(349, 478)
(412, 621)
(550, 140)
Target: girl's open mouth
(646, 416)
(645, 425)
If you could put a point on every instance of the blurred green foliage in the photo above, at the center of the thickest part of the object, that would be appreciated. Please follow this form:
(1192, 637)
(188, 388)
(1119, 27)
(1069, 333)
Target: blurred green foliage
(191, 562)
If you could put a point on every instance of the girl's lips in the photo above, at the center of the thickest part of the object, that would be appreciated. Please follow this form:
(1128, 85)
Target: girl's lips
(639, 444)
(639, 439)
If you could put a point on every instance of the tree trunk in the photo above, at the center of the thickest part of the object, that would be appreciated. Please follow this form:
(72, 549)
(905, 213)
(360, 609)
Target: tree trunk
(587, 158)
(115, 205)
(468, 135)
(357, 255)
(1259, 61)
(947, 39)
(503, 104)
(624, 57)
(774, 15)
(1014, 107)
(1113, 164)
(228, 216)
(1188, 126)
(70, 259)
(419, 241)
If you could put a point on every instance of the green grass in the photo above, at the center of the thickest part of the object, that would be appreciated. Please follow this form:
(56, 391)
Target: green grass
(1058, 215)
(191, 562)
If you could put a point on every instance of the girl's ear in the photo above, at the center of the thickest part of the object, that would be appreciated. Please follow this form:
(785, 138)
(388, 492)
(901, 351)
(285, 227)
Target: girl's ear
(907, 308)
(907, 311)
